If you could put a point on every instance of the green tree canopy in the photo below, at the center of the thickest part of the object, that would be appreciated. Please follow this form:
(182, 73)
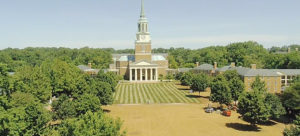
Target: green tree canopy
(252, 107)
(32, 80)
(109, 78)
(291, 99)
(200, 82)
(220, 92)
(91, 124)
(274, 102)
(186, 78)
(237, 87)
(63, 107)
(87, 102)
(63, 76)
(294, 130)
(23, 116)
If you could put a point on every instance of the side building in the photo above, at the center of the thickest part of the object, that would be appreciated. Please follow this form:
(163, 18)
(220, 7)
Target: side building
(276, 80)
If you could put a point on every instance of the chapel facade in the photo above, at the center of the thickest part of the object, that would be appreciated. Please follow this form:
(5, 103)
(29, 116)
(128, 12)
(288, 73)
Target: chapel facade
(143, 65)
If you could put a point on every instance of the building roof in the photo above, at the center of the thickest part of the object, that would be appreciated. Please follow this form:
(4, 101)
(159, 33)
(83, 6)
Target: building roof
(184, 69)
(205, 67)
(225, 68)
(157, 57)
(131, 57)
(127, 58)
(289, 72)
(87, 69)
(261, 72)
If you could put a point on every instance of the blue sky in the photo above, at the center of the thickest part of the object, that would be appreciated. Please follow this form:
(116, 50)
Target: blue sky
(172, 23)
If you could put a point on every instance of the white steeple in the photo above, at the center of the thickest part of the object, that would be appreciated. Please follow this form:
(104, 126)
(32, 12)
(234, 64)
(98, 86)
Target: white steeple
(142, 10)
(143, 34)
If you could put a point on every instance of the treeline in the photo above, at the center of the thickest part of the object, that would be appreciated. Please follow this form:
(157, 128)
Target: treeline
(56, 98)
(15, 58)
(242, 53)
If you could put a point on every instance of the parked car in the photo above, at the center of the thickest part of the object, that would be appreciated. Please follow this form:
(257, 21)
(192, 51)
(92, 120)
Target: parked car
(227, 113)
(209, 110)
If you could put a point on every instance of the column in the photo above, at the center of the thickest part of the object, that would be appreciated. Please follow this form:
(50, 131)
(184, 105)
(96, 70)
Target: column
(141, 74)
(135, 74)
(156, 75)
(146, 74)
(151, 74)
(130, 74)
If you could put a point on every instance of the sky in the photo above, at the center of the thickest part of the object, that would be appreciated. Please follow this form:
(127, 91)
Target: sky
(172, 23)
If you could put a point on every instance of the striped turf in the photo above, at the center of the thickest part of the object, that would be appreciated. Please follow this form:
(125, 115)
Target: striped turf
(141, 93)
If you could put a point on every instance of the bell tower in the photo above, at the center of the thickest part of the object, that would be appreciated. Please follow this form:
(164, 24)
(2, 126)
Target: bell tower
(143, 39)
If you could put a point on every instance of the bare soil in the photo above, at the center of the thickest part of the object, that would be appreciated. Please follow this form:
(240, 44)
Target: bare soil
(186, 120)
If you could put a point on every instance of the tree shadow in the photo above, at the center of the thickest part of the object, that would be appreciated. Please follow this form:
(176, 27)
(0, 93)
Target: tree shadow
(106, 110)
(284, 120)
(183, 89)
(267, 123)
(196, 96)
(243, 127)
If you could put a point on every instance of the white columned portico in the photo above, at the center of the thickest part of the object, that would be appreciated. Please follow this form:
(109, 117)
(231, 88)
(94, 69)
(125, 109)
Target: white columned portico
(146, 74)
(130, 74)
(141, 74)
(135, 74)
(156, 75)
(151, 74)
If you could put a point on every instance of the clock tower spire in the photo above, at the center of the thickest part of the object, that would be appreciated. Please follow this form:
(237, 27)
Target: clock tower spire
(143, 39)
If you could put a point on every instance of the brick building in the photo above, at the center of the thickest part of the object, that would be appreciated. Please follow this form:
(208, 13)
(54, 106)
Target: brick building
(143, 65)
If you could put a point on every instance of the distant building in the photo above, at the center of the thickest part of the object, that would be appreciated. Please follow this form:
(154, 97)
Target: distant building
(276, 79)
(143, 65)
(88, 69)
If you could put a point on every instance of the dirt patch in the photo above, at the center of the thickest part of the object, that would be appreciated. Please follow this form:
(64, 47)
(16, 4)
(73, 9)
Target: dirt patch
(185, 120)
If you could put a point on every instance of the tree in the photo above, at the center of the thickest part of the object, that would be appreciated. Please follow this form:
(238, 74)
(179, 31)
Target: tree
(63, 107)
(274, 102)
(172, 62)
(186, 78)
(161, 77)
(91, 124)
(294, 130)
(63, 76)
(294, 60)
(237, 87)
(23, 116)
(32, 80)
(291, 99)
(87, 102)
(220, 92)
(252, 107)
(4, 80)
(37, 118)
(200, 82)
(259, 85)
(178, 76)
(230, 74)
(245, 53)
(169, 76)
(104, 92)
(109, 78)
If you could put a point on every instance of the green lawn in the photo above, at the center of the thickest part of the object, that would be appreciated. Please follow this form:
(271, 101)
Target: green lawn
(140, 93)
